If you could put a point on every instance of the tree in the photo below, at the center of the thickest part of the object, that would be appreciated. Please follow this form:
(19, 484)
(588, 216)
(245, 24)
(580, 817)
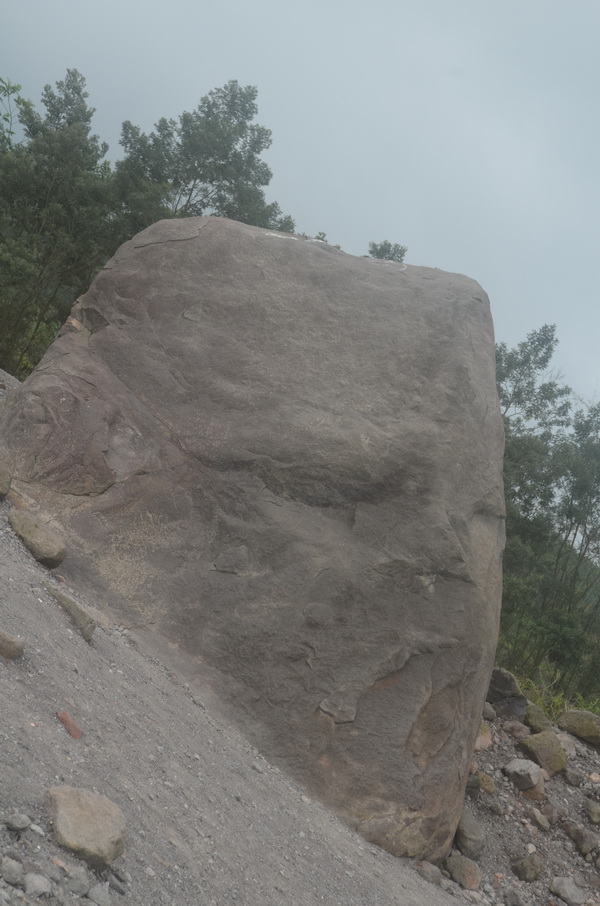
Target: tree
(206, 162)
(57, 224)
(64, 210)
(387, 251)
(550, 625)
(12, 103)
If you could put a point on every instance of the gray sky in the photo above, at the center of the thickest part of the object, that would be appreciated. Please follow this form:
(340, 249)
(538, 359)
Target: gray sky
(468, 130)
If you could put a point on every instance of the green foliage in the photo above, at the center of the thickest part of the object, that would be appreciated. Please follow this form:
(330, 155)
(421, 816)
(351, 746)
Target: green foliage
(387, 251)
(529, 397)
(64, 210)
(550, 628)
(206, 162)
(12, 103)
(56, 222)
(554, 703)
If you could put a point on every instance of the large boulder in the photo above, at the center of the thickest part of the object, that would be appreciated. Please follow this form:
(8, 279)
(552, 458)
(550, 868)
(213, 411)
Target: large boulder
(287, 461)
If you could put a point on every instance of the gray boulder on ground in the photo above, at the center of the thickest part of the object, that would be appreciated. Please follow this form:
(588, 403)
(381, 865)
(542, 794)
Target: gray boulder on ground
(40, 535)
(470, 836)
(592, 811)
(584, 724)
(89, 825)
(568, 891)
(504, 693)
(585, 840)
(545, 749)
(523, 773)
(287, 461)
(464, 871)
(528, 868)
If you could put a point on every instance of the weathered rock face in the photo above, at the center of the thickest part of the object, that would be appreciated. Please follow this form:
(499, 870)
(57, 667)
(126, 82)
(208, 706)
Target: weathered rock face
(287, 460)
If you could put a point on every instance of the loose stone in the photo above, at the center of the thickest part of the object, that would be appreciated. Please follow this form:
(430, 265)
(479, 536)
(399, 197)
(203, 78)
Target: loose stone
(568, 891)
(11, 871)
(37, 885)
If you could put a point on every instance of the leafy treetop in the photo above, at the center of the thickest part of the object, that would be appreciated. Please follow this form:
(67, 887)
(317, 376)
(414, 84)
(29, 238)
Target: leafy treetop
(387, 251)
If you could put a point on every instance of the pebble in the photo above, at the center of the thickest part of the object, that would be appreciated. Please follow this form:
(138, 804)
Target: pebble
(17, 821)
(100, 894)
(11, 871)
(37, 885)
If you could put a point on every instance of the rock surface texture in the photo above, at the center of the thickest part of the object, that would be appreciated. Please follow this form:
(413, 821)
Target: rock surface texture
(286, 461)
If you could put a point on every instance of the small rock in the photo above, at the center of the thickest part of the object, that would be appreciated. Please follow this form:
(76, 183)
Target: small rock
(551, 812)
(528, 868)
(37, 885)
(11, 647)
(486, 783)
(115, 884)
(100, 894)
(516, 729)
(569, 745)
(83, 620)
(429, 871)
(54, 871)
(540, 820)
(583, 724)
(495, 808)
(523, 773)
(78, 881)
(484, 737)
(568, 891)
(592, 811)
(69, 724)
(39, 535)
(545, 749)
(470, 836)
(464, 871)
(473, 786)
(91, 826)
(488, 712)
(12, 871)
(537, 792)
(585, 840)
(17, 821)
(512, 897)
(573, 777)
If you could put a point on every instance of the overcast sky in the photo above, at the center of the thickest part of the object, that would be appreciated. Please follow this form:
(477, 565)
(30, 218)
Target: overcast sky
(467, 130)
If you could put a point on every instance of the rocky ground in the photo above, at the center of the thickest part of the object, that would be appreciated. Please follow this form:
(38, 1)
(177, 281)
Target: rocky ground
(209, 820)
(545, 832)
